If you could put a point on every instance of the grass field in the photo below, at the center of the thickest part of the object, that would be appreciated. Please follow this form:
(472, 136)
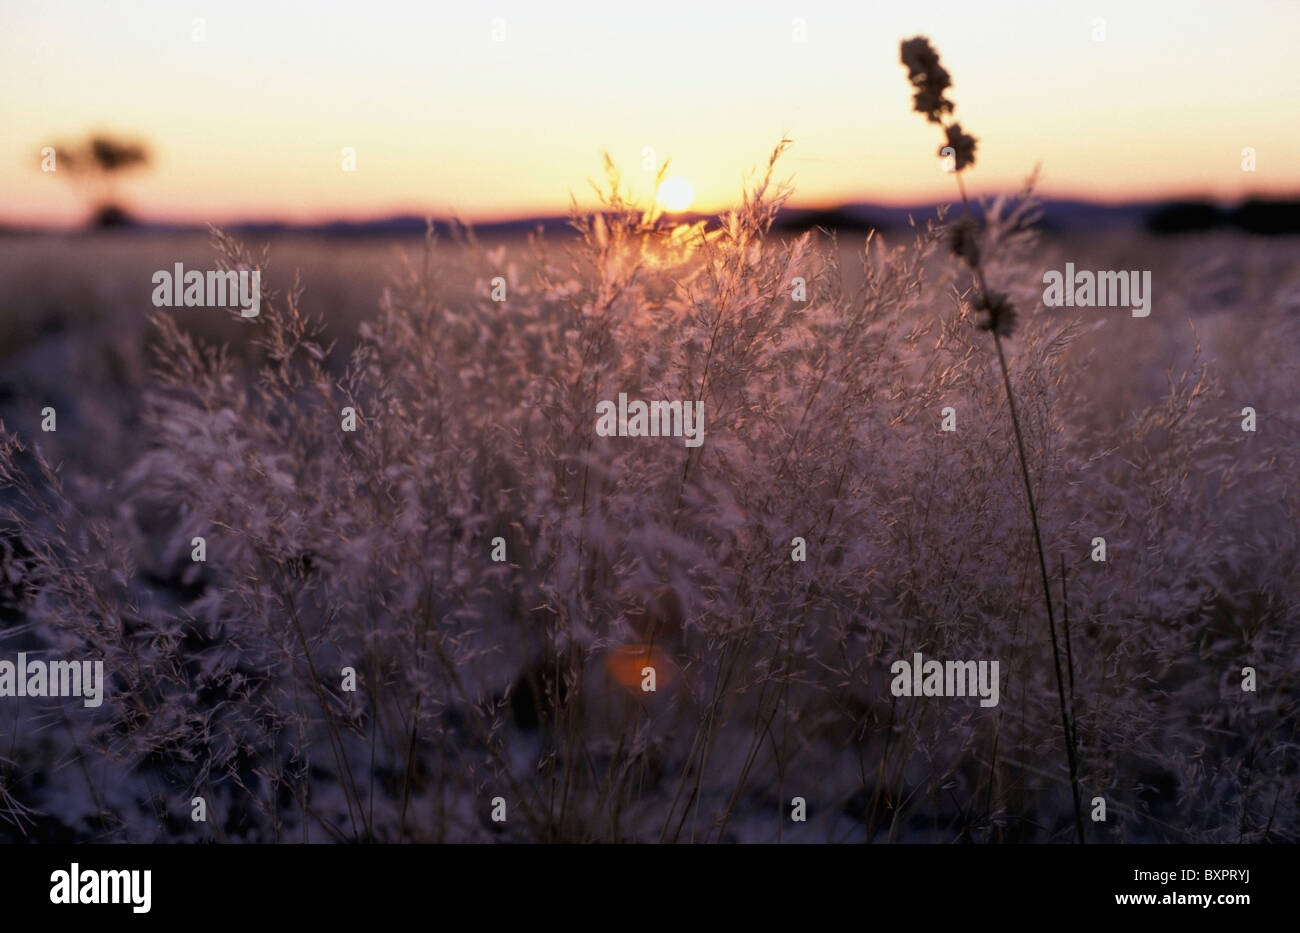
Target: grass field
(480, 679)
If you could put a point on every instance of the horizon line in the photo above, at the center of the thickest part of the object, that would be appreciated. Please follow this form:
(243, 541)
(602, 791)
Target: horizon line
(28, 224)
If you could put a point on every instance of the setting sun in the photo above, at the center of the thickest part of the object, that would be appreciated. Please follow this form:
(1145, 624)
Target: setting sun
(675, 194)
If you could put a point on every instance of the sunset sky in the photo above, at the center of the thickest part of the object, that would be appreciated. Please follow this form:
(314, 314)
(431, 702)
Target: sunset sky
(250, 123)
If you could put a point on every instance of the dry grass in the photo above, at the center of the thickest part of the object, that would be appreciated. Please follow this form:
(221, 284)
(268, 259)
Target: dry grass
(476, 679)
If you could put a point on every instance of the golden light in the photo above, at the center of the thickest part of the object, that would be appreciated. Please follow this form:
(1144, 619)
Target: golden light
(675, 194)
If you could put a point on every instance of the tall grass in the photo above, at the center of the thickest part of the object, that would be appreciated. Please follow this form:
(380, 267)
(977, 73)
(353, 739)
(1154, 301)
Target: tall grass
(931, 81)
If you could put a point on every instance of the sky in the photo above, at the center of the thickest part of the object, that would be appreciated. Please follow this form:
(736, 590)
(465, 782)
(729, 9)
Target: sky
(498, 109)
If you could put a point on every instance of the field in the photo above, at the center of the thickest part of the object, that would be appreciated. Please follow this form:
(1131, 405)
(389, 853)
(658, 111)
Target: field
(505, 699)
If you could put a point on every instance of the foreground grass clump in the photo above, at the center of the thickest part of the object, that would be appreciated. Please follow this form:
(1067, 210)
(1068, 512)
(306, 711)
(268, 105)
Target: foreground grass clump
(371, 549)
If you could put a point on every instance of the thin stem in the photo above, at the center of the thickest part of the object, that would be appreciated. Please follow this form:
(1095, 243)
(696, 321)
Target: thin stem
(1066, 728)
(1047, 587)
(1069, 652)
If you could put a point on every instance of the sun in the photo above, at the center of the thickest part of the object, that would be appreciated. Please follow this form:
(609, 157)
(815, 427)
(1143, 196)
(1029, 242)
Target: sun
(675, 194)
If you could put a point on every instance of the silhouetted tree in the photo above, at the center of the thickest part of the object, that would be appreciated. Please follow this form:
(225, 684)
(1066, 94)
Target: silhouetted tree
(97, 162)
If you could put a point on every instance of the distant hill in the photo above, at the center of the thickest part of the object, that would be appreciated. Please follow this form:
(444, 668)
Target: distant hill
(403, 225)
(1270, 218)
(1257, 216)
(1058, 215)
